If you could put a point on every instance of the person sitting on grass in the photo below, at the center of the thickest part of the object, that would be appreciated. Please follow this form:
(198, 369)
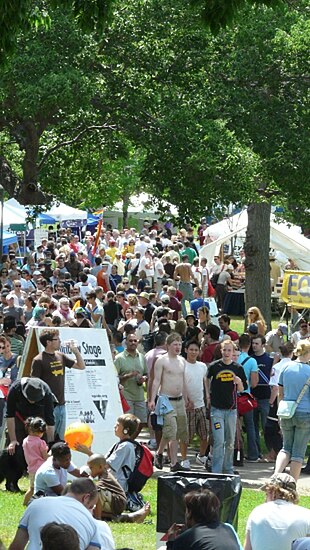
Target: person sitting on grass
(51, 477)
(112, 499)
(203, 529)
(121, 458)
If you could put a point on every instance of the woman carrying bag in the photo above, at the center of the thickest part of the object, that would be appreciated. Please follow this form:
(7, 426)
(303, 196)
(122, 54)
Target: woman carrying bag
(294, 410)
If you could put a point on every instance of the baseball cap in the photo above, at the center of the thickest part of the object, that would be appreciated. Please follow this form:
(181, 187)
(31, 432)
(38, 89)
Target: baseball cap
(283, 328)
(144, 295)
(165, 299)
(253, 328)
(283, 481)
(36, 272)
(33, 389)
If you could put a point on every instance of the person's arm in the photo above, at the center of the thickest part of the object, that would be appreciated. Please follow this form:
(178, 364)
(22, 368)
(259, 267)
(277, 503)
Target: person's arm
(281, 392)
(156, 383)
(20, 540)
(79, 361)
(176, 274)
(12, 435)
(273, 394)
(254, 378)
(50, 433)
(247, 542)
(208, 392)
(83, 449)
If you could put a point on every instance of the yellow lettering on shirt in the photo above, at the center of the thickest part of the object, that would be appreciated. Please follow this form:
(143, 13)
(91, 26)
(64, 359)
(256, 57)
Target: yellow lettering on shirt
(225, 376)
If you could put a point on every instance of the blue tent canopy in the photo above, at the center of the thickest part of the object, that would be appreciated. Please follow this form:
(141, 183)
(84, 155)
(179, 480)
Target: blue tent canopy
(45, 218)
(9, 238)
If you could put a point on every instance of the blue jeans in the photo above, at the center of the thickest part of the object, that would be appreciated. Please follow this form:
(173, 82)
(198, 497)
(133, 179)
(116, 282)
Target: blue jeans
(60, 420)
(253, 452)
(223, 422)
(296, 434)
(188, 296)
(262, 412)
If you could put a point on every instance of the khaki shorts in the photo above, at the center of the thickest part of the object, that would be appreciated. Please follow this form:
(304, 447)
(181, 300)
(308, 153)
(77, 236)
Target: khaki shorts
(175, 422)
(138, 408)
(111, 503)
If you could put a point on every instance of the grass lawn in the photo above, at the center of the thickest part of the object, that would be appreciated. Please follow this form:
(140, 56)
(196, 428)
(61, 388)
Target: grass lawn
(132, 536)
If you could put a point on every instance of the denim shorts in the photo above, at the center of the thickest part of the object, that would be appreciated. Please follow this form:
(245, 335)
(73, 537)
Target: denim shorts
(296, 434)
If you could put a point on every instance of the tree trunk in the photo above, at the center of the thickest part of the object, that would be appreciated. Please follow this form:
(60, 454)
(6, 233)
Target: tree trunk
(257, 270)
(126, 198)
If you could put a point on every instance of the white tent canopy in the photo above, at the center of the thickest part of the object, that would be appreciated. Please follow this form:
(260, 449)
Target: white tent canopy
(283, 238)
(62, 212)
(13, 215)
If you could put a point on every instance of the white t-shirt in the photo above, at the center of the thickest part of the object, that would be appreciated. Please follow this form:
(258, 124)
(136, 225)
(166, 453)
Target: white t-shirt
(274, 525)
(47, 477)
(83, 289)
(276, 369)
(195, 374)
(64, 509)
(148, 270)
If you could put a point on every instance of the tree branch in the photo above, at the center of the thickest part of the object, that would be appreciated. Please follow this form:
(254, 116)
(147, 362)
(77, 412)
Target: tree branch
(73, 140)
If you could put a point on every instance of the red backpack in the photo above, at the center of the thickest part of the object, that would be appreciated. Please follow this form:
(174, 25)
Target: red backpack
(143, 469)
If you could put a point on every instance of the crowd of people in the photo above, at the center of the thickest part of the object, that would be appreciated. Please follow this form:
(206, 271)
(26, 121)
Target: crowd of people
(161, 305)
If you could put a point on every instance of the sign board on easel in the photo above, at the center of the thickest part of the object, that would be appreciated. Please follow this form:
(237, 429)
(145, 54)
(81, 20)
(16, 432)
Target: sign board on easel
(92, 395)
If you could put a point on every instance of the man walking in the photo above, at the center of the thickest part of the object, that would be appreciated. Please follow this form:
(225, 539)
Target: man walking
(262, 391)
(225, 378)
(184, 275)
(132, 372)
(50, 367)
(169, 379)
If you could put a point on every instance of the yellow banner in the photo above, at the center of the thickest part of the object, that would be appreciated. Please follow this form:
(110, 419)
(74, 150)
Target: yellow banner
(296, 288)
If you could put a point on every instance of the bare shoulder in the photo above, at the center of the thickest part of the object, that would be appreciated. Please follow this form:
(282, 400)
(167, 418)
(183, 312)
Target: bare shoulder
(162, 361)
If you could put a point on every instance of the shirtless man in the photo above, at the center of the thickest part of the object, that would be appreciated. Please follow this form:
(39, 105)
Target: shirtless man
(169, 379)
(184, 275)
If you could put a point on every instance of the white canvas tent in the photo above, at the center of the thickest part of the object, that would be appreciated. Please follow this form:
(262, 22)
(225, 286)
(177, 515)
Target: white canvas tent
(287, 240)
(62, 212)
(13, 215)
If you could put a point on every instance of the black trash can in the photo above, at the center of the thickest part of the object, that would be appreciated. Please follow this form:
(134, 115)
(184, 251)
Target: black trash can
(172, 487)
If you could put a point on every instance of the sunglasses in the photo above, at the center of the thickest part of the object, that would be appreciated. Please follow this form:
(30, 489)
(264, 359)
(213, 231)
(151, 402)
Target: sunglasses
(17, 286)
(4, 272)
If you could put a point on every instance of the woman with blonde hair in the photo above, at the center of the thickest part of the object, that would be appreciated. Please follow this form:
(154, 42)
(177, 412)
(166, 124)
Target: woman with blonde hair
(294, 378)
(255, 316)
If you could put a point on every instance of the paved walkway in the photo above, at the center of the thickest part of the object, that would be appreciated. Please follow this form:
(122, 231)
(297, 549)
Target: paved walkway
(253, 476)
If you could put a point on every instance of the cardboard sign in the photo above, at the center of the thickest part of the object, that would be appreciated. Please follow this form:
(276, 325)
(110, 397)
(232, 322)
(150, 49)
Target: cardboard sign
(92, 394)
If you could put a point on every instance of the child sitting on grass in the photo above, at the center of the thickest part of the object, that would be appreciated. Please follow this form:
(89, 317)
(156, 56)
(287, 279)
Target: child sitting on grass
(121, 460)
(112, 499)
(35, 450)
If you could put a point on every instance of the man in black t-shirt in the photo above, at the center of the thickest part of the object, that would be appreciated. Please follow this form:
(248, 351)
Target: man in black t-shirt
(50, 367)
(112, 311)
(262, 390)
(225, 378)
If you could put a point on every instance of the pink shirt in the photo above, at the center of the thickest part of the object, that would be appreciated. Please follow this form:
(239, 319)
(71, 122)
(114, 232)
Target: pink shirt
(33, 449)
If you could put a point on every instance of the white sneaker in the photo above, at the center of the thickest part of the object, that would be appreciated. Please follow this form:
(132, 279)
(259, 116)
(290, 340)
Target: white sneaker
(186, 464)
(201, 460)
(151, 444)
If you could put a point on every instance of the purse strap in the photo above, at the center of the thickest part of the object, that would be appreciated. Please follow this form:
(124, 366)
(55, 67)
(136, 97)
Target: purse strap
(303, 391)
